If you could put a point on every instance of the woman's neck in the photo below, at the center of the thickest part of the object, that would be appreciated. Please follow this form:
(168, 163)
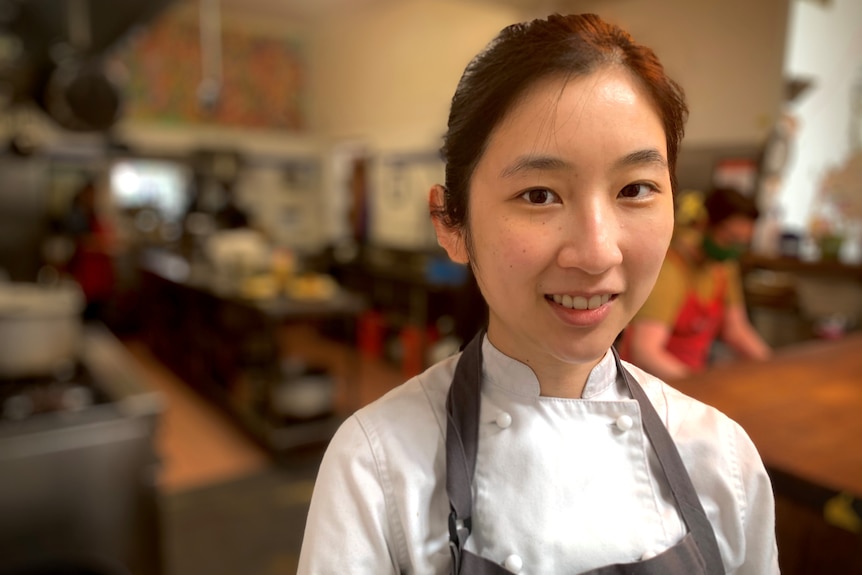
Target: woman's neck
(568, 385)
(556, 378)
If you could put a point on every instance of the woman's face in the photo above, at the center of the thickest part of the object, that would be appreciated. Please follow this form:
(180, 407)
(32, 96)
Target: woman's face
(571, 213)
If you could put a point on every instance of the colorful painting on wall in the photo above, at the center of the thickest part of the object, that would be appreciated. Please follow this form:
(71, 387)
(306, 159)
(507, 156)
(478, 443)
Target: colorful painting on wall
(263, 77)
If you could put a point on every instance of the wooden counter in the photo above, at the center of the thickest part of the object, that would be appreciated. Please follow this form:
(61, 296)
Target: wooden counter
(802, 409)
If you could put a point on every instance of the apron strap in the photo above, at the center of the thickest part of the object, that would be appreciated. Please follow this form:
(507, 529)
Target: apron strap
(462, 440)
(677, 476)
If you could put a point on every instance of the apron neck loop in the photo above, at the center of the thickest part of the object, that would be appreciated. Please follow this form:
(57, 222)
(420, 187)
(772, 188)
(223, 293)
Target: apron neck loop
(462, 438)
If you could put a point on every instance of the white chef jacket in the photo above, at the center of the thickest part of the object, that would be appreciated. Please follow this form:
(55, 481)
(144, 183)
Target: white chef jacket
(561, 485)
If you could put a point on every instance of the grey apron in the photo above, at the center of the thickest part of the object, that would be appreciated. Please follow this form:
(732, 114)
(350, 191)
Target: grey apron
(696, 554)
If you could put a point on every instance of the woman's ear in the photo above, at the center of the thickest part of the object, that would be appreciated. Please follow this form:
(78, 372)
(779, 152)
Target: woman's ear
(449, 238)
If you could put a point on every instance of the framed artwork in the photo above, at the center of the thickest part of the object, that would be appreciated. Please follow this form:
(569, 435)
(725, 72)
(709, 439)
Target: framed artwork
(263, 77)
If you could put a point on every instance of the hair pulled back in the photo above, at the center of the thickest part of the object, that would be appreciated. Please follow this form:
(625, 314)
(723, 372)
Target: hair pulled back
(525, 53)
(724, 203)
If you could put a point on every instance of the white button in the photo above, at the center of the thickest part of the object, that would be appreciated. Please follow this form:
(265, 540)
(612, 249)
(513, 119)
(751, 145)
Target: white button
(648, 555)
(513, 563)
(504, 420)
(624, 422)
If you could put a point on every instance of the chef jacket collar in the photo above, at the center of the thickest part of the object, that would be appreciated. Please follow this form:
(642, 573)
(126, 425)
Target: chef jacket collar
(517, 378)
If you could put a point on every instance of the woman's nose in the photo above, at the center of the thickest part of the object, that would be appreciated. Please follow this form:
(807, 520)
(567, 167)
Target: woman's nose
(590, 240)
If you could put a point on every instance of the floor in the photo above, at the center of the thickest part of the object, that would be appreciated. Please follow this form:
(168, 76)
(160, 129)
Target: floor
(200, 445)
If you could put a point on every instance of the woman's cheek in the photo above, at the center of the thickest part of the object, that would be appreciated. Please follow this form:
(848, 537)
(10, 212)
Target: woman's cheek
(519, 251)
(505, 246)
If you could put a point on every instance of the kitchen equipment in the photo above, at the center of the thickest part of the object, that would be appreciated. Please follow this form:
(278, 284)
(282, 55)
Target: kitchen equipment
(80, 94)
(236, 255)
(303, 392)
(78, 465)
(40, 328)
(83, 96)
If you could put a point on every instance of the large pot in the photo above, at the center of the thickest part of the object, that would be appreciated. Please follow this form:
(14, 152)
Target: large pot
(40, 328)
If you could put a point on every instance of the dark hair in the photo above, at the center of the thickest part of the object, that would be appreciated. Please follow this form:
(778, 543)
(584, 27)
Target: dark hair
(525, 53)
(724, 203)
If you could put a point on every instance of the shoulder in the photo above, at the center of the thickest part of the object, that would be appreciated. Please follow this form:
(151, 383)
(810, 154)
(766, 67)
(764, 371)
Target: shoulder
(407, 421)
(728, 278)
(714, 447)
(380, 475)
(668, 292)
(421, 400)
(674, 265)
(726, 470)
(686, 417)
(673, 276)
(732, 271)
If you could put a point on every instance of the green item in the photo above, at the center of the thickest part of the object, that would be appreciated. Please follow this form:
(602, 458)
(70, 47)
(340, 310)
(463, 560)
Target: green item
(721, 253)
(830, 247)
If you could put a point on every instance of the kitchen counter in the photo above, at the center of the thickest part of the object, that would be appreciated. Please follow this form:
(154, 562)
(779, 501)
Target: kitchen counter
(830, 268)
(78, 484)
(175, 268)
(802, 409)
(229, 349)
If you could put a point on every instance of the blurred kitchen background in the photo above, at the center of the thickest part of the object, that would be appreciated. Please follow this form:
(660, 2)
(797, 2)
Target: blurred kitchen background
(214, 246)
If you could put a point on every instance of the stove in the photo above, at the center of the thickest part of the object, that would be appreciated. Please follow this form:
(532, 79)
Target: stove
(78, 466)
(70, 389)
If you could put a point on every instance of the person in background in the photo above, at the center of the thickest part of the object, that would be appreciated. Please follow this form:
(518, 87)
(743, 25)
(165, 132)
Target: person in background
(536, 449)
(697, 299)
(92, 262)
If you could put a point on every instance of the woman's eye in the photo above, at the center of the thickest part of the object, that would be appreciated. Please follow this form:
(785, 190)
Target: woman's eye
(636, 190)
(540, 196)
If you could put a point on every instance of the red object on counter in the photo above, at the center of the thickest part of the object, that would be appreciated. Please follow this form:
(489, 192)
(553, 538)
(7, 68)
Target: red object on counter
(413, 349)
(370, 331)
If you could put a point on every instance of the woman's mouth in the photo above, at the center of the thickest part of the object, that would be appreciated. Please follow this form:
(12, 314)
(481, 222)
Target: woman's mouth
(581, 302)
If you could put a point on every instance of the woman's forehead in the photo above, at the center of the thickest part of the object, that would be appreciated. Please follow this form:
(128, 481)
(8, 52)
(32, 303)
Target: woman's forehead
(611, 83)
(607, 106)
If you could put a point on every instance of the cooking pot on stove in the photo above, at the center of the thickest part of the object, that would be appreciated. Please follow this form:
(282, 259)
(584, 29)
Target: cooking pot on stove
(40, 328)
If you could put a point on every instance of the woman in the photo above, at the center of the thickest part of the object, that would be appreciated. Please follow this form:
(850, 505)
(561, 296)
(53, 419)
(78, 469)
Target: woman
(697, 299)
(535, 450)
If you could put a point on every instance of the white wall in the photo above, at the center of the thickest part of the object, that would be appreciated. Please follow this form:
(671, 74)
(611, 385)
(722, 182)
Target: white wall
(389, 71)
(825, 43)
(385, 75)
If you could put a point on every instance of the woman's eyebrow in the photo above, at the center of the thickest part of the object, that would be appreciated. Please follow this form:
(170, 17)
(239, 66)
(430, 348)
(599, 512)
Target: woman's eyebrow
(548, 163)
(534, 163)
(648, 156)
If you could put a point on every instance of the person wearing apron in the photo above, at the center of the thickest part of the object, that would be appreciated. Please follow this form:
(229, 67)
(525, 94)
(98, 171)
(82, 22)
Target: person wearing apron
(697, 322)
(536, 449)
(698, 300)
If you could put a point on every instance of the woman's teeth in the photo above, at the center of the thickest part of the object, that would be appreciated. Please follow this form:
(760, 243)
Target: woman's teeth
(580, 302)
